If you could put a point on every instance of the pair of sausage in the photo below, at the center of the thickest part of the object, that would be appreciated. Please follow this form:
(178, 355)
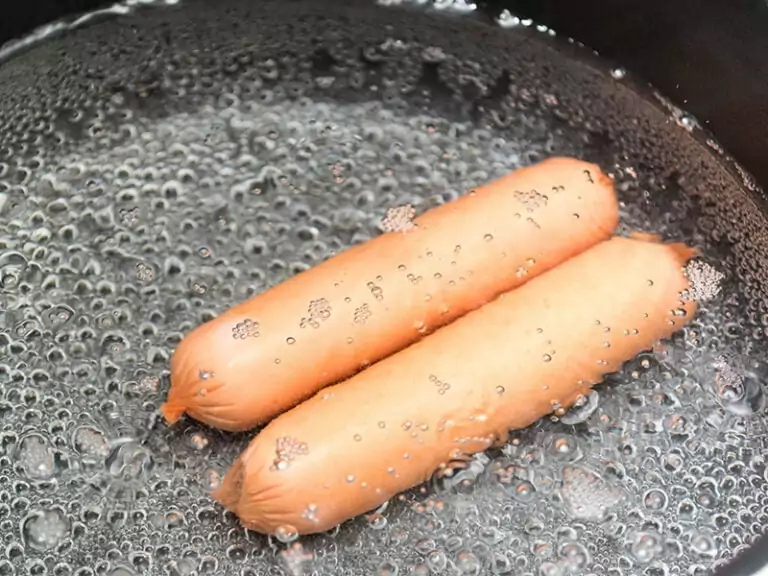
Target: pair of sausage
(521, 262)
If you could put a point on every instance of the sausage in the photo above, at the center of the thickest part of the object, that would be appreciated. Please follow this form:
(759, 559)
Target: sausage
(530, 352)
(273, 351)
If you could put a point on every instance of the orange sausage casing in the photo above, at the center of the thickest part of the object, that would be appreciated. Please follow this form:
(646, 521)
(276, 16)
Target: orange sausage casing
(271, 352)
(530, 352)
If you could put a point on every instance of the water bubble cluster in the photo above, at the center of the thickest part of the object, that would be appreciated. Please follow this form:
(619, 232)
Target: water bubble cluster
(586, 495)
(399, 219)
(286, 450)
(141, 200)
(704, 279)
(318, 311)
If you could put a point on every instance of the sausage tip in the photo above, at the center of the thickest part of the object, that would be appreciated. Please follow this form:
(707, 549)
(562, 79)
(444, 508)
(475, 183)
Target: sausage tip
(683, 251)
(228, 493)
(680, 249)
(644, 237)
(171, 412)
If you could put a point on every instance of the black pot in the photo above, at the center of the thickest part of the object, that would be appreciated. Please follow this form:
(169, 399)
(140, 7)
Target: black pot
(708, 57)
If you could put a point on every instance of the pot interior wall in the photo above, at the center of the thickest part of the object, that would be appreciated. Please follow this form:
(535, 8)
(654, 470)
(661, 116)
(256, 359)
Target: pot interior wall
(138, 201)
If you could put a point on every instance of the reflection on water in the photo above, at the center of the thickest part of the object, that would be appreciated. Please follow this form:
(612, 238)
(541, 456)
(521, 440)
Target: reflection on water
(160, 167)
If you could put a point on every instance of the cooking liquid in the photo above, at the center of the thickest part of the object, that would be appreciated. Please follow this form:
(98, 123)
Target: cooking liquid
(159, 167)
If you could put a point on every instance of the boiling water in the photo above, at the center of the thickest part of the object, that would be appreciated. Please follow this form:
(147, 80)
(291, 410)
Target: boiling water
(158, 168)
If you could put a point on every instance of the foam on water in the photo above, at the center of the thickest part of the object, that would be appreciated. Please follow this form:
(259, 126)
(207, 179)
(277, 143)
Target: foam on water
(232, 148)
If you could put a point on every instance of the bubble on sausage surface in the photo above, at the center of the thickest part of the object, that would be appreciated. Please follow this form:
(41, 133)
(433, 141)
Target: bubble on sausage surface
(399, 219)
(138, 201)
